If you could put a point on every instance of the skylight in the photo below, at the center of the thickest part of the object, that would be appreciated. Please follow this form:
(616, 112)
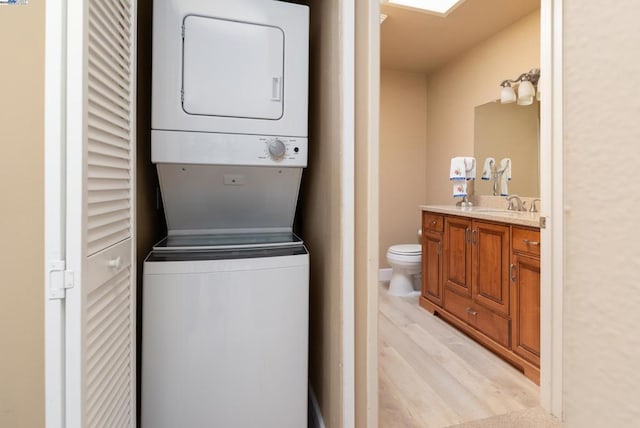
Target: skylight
(440, 7)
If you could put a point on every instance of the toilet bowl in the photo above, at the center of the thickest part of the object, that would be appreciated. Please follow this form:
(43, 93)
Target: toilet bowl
(406, 263)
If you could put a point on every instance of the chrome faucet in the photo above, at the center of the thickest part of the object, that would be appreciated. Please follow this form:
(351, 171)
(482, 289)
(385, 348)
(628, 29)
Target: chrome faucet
(533, 208)
(515, 203)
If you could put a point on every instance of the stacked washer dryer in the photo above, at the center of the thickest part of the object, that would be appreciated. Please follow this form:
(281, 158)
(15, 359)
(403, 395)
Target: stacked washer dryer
(225, 294)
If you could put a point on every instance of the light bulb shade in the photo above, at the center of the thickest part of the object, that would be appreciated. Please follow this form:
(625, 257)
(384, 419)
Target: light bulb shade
(526, 92)
(507, 95)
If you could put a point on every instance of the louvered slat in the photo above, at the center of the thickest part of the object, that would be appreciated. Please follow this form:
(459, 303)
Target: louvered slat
(102, 374)
(104, 160)
(100, 60)
(109, 39)
(110, 150)
(111, 217)
(99, 109)
(114, 31)
(108, 352)
(104, 71)
(120, 16)
(106, 184)
(108, 364)
(99, 124)
(100, 88)
(105, 237)
(99, 209)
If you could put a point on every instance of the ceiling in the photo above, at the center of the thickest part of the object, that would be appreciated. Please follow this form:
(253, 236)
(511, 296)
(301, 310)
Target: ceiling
(420, 42)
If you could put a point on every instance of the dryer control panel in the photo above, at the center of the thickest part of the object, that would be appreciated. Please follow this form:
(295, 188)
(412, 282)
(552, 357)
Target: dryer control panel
(227, 149)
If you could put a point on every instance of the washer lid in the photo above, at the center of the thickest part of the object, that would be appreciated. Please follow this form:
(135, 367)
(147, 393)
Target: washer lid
(406, 249)
(228, 241)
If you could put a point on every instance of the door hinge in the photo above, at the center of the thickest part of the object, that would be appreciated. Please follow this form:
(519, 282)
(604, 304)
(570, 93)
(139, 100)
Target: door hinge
(60, 279)
(182, 29)
(543, 222)
(182, 95)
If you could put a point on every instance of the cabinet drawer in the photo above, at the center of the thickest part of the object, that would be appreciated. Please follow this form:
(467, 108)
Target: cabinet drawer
(433, 222)
(486, 321)
(458, 305)
(492, 324)
(526, 240)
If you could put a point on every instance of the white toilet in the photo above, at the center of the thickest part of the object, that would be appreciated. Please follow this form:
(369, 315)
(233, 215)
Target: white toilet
(406, 264)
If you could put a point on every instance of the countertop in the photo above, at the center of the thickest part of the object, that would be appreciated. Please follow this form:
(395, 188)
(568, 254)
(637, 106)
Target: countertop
(521, 218)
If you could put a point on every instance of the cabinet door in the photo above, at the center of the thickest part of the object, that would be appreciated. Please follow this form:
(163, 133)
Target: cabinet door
(490, 252)
(432, 266)
(457, 255)
(525, 306)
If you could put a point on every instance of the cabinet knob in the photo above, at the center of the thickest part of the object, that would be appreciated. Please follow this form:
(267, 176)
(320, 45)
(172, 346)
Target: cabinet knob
(512, 272)
(534, 243)
(115, 263)
(472, 312)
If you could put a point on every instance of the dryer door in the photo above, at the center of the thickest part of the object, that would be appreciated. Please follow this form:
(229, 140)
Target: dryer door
(232, 68)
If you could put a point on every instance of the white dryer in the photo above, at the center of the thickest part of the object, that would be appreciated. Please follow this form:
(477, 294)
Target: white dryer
(229, 112)
(230, 67)
(225, 295)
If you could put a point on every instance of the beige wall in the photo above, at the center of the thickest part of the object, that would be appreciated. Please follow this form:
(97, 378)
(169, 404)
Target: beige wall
(22, 215)
(470, 80)
(321, 212)
(403, 161)
(602, 261)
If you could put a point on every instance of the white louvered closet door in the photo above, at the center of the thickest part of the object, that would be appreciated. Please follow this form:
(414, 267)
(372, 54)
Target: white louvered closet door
(100, 308)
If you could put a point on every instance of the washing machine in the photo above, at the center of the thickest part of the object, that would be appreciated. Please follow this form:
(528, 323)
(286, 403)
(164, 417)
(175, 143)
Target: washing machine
(225, 325)
(225, 294)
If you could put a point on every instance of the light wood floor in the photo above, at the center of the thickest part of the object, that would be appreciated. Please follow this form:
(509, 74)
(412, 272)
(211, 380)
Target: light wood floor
(431, 375)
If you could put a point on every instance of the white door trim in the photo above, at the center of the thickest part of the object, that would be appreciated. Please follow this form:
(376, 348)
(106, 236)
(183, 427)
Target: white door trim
(54, 205)
(347, 71)
(552, 195)
(367, 205)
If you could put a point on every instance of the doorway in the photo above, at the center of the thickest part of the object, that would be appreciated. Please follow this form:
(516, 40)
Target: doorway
(549, 14)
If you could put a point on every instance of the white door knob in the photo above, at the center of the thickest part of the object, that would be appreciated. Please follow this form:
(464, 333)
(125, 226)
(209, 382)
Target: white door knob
(115, 263)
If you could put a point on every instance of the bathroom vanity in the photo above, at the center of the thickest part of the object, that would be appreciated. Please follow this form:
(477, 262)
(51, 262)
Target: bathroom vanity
(481, 273)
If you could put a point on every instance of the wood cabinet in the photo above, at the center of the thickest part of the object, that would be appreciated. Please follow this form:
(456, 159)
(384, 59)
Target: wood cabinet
(490, 254)
(457, 255)
(432, 257)
(484, 278)
(525, 296)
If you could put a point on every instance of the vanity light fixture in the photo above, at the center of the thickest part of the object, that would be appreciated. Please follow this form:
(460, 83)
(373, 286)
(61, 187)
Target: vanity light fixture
(436, 7)
(527, 83)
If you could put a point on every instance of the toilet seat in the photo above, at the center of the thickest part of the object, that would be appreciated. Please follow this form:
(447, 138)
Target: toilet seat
(406, 249)
(405, 254)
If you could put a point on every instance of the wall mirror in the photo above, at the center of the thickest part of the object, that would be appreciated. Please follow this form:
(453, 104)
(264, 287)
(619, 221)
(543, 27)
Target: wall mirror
(509, 131)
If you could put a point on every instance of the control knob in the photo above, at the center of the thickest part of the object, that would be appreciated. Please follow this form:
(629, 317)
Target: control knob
(277, 149)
